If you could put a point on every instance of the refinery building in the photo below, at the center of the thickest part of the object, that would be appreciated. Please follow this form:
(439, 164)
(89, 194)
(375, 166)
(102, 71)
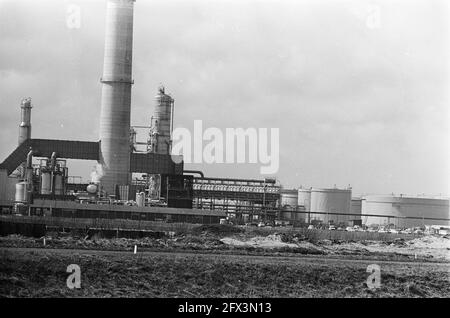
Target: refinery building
(142, 180)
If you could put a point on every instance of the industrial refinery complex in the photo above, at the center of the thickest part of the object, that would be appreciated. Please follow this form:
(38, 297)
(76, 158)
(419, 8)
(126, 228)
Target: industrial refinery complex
(143, 181)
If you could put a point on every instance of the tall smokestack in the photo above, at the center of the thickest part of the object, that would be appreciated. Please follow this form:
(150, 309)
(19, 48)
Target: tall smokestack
(116, 95)
(25, 120)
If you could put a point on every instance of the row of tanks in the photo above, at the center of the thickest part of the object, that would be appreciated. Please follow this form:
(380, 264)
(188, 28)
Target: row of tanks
(336, 206)
(53, 176)
(330, 205)
(45, 180)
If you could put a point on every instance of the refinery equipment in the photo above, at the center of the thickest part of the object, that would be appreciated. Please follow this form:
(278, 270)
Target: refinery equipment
(25, 122)
(161, 124)
(117, 160)
(24, 187)
(163, 190)
(150, 184)
(52, 174)
(46, 180)
(151, 179)
(93, 189)
(154, 186)
(243, 199)
(140, 199)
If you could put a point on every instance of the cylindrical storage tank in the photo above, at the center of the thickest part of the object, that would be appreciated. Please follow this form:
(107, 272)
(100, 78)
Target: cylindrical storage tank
(140, 199)
(58, 184)
(404, 212)
(21, 192)
(327, 201)
(304, 198)
(288, 202)
(46, 182)
(355, 210)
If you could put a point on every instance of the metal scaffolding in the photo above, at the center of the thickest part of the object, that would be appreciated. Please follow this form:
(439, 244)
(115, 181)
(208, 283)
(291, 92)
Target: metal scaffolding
(237, 197)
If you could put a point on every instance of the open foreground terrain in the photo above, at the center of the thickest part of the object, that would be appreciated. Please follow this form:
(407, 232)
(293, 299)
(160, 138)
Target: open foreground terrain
(42, 273)
(223, 262)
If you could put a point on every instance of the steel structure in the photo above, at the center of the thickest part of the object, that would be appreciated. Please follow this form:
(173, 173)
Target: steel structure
(69, 209)
(88, 150)
(156, 163)
(68, 149)
(237, 196)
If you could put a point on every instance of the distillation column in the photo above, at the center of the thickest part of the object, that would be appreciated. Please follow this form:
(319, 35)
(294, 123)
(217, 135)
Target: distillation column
(161, 124)
(25, 120)
(116, 95)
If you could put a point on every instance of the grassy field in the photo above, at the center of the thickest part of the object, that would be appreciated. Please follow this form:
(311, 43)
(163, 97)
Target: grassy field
(42, 273)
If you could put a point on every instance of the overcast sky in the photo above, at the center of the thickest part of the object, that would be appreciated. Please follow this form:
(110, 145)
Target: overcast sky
(359, 89)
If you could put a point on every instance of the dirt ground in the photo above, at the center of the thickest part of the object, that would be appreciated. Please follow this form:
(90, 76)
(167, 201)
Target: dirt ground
(223, 262)
(426, 247)
(42, 273)
(226, 240)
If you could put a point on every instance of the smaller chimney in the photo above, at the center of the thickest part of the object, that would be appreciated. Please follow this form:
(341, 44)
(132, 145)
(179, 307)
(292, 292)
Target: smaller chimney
(25, 120)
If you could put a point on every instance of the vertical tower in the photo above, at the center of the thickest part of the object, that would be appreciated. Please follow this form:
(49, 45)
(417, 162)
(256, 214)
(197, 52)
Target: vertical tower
(116, 95)
(161, 125)
(25, 120)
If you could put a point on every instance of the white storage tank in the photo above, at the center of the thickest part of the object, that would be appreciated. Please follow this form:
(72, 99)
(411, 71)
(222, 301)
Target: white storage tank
(46, 182)
(356, 208)
(21, 192)
(289, 198)
(304, 198)
(288, 202)
(331, 201)
(393, 210)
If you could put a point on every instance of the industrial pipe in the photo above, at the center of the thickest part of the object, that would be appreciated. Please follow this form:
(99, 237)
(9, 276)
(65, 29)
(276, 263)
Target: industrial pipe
(30, 159)
(53, 161)
(195, 172)
(29, 177)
